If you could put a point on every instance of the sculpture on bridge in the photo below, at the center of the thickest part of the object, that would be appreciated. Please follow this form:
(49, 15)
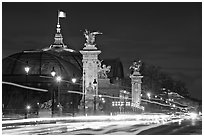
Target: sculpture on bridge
(90, 37)
(103, 70)
(136, 67)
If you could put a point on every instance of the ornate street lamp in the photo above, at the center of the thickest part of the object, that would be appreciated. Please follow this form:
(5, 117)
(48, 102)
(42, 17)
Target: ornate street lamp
(126, 94)
(53, 73)
(95, 84)
(73, 81)
(27, 69)
(84, 94)
(58, 79)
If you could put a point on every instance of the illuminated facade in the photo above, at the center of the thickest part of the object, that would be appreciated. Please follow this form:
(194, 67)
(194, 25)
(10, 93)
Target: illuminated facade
(90, 73)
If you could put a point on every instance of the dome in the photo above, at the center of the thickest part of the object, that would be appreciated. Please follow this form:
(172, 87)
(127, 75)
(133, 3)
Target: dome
(38, 86)
(66, 64)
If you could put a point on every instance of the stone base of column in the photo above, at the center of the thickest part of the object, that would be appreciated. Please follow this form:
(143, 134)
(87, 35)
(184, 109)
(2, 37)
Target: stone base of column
(104, 82)
(136, 89)
(89, 107)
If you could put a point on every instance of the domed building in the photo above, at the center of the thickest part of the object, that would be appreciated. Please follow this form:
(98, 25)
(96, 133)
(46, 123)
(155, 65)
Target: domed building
(37, 87)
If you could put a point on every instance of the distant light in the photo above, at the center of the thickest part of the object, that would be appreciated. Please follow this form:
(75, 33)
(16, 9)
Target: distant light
(100, 96)
(148, 95)
(27, 69)
(155, 96)
(28, 107)
(74, 80)
(58, 78)
(113, 103)
(174, 105)
(193, 115)
(53, 73)
(200, 113)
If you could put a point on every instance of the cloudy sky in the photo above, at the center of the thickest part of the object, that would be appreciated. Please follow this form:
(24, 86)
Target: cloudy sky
(168, 35)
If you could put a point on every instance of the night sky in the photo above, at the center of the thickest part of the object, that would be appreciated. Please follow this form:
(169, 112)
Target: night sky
(168, 35)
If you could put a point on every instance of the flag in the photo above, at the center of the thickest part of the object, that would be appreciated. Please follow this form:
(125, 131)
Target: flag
(61, 14)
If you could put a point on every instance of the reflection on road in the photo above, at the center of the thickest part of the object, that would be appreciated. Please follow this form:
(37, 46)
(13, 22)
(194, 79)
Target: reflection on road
(100, 125)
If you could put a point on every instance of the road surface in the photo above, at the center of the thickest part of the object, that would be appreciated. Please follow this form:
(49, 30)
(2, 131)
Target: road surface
(186, 127)
(119, 127)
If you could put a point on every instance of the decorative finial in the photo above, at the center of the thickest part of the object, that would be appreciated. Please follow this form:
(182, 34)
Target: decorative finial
(61, 14)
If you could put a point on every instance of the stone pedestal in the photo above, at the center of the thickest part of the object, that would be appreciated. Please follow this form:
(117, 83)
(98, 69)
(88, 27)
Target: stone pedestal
(104, 82)
(136, 89)
(44, 113)
(90, 72)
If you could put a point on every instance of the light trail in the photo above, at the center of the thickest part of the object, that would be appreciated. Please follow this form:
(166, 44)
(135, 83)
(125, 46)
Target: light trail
(154, 102)
(76, 92)
(122, 125)
(161, 104)
(94, 118)
(26, 87)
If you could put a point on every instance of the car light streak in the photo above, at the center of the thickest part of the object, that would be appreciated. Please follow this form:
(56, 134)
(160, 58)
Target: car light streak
(138, 117)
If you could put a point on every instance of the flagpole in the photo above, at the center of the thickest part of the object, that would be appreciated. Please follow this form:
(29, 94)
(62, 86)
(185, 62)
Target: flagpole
(58, 18)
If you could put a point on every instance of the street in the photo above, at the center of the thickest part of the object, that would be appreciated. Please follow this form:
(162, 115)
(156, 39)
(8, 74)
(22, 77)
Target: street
(108, 127)
(185, 127)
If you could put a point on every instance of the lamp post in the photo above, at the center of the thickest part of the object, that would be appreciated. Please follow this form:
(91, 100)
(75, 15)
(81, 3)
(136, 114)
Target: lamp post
(73, 81)
(27, 68)
(58, 78)
(121, 97)
(124, 97)
(95, 84)
(84, 94)
(149, 95)
(53, 73)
